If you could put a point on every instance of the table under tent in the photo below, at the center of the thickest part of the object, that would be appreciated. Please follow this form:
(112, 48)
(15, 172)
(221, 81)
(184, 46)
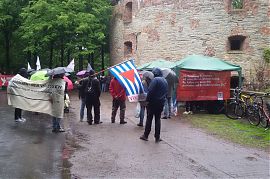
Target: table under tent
(205, 79)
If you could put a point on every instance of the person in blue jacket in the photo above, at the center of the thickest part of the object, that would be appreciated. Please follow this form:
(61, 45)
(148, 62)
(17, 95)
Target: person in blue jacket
(157, 92)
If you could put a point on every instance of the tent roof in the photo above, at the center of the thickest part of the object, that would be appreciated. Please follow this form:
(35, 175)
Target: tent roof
(200, 62)
(160, 63)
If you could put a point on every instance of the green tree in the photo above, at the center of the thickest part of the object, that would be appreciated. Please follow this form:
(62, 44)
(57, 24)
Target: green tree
(9, 23)
(68, 27)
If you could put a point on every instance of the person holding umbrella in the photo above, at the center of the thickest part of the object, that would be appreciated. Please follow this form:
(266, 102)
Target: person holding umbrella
(57, 73)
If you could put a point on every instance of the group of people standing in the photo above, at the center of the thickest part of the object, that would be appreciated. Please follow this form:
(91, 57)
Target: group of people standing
(89, 93)
(156, 90)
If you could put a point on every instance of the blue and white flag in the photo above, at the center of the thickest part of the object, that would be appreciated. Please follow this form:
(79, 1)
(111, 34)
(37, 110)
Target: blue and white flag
(129, 78)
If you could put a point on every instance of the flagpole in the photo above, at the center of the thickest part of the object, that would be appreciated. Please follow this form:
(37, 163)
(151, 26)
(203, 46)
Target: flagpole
(108, 68)
(111, 67)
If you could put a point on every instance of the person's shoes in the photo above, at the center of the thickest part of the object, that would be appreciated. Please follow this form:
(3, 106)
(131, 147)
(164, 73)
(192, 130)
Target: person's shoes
(81, 119)
(113, 121)
(54, 130)
(190, 112)
(143, 137)
(169, 117)
(61, 130)
(141, 125)
(185, 112)
(100, 122)
(89, 122)
(158, 140)
(20, 120)
(164, 117)
(123, 122)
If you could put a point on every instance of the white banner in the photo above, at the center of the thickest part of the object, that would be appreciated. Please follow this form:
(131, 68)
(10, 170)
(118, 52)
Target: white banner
(46, 96)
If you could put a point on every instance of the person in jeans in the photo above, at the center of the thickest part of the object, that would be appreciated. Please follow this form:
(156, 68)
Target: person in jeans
(168, 100)
(18, 111)
(81, 89)
(119, 100)
(55, 120)
(156, 95)
(146, 81)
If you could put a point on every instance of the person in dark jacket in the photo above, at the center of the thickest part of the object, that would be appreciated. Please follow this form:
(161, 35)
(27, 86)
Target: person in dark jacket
(92, 93)
(119, 100)
(18, 111)
(156, 95)
(81, 89)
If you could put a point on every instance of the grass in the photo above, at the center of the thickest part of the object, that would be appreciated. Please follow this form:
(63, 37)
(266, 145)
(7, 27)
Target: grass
(237, 131)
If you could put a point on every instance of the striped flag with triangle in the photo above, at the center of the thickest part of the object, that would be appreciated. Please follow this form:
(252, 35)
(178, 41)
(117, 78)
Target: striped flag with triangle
(129, 78)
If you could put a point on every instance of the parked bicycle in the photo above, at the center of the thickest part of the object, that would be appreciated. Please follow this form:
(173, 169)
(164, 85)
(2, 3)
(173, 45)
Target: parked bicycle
(262, 110)
(239, 105)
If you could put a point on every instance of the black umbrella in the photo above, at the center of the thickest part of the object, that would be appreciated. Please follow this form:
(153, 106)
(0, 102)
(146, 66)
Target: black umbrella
(147, 74)
(169, 74)
(59, 70)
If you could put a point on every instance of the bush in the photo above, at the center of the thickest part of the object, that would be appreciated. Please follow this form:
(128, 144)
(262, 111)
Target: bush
(266, 54)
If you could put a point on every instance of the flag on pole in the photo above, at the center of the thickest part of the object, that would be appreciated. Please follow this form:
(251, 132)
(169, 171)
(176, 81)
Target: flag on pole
(71, 65)
(128, 77)
(89, 67)
(38, 63)
(28, 66)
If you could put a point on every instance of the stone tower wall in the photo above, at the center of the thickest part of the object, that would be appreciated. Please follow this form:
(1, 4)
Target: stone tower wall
(173, 29)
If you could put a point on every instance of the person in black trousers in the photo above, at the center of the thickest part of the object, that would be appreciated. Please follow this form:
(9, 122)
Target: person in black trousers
(92, 94)
(157, 92)
(18, 111)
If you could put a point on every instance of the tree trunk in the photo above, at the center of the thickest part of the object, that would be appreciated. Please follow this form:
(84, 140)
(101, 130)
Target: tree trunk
(7, 50)
(80, 59)
(62, 52)
(51, 56)
(92, 61)
(68, 56)
(102, 59)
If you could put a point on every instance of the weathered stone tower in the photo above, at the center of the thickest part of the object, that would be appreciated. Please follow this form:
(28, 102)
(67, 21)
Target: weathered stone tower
(173, 29)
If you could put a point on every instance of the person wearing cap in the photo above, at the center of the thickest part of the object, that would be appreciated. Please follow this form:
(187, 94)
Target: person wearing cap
(92, 92)
(18, 111)
(157, 92)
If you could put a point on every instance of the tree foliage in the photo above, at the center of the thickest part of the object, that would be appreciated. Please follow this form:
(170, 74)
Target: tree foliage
(237, 4)
(59, 29)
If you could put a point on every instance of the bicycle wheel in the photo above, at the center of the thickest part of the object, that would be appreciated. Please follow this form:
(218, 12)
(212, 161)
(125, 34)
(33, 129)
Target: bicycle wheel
(253, 116)
(264, 122)
(234, 111)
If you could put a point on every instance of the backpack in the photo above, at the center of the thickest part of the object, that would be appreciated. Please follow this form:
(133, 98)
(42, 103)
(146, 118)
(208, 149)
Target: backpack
(89, 88)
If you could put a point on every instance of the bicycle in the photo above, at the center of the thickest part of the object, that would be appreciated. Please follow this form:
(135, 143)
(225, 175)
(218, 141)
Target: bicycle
(264, 113)
(236, 107)
(259, 113)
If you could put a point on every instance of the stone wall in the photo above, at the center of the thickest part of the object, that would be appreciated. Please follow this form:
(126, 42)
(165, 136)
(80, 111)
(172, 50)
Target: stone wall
(173, 29)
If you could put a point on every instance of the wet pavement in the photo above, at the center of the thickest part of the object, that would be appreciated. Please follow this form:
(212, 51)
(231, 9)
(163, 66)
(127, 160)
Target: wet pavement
(115, 151)
(28, 150)
(109, 150)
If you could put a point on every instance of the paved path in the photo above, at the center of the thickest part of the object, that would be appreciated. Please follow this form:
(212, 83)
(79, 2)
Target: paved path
(115, 151)
(29, 150)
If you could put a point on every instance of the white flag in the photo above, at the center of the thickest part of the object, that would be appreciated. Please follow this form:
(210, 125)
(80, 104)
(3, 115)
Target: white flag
(89, 67)
(38, 63)
(28, 66)
(71, 65)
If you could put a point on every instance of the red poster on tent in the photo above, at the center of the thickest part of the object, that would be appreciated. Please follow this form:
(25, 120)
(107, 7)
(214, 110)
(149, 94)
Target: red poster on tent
(203, 85)
(4, 79)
